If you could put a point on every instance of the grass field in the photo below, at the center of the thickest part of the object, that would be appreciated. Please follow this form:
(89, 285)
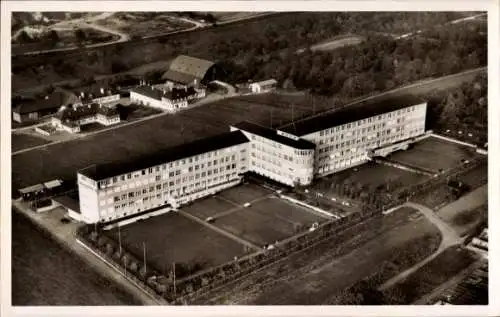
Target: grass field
(434, 154)
(431, 275)
(372, 175)
(64, 159)
(317, 274)
(173, 238)
(23, 141)
(267, 221)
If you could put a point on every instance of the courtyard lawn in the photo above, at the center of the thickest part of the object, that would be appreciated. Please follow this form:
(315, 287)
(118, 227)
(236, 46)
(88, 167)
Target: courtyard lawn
(434, 154)
(267, 221)
(173, 238)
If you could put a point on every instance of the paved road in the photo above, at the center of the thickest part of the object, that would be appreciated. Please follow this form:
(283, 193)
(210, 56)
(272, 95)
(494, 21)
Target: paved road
(223, 232)
(449, 238)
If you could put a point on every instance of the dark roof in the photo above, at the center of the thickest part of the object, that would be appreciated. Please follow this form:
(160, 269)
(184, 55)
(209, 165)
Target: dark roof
(157, 94)
(68, 202)
(80, 112)
(94, 91)
(184, 69)
(51, 102)
(177, 77)
(273, 135)
(99, 172)
(351, 113)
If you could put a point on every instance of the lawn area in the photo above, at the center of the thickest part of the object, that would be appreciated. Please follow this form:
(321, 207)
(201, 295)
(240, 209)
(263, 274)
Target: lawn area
(208, 207)
(267, 221)
(370, 175)
(313, 276)
(173, 238)
(23, 141)
(64, 159)
(434, 154)
(428, 277)
(245, 193)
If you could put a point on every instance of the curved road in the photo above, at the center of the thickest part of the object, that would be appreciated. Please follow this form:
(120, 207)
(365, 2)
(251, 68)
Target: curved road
(449, 238)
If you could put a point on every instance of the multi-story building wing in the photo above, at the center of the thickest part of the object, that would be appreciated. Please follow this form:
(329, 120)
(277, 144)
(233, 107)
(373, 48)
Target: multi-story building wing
(350, 136)
(277, 157)
(168, 178)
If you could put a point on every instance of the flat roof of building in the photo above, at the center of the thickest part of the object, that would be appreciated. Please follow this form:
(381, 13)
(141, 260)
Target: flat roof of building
(68, 202)
(158, 94)
(355, 112)
(266, 82)
(273, 135)
(221, 141)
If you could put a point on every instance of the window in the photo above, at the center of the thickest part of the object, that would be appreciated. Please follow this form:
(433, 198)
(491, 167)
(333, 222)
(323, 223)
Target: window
(115, 179)
(144, 191)
(171, 174)
(158, 187)
(150, 170)
(151, 188)
(157, 169)
(143, 172)
(117, 198)
(158, 178)
(122, 177)
(130, 195)
(178, 172)
(196, 167)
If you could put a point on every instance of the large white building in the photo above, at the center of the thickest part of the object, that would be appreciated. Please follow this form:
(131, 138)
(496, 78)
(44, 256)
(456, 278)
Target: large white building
(169, 178)
(279, 158)
(292, 155)
(352, 135)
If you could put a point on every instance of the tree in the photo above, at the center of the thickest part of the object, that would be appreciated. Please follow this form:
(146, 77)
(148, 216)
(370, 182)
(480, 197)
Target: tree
(54, 37)
(80, 36)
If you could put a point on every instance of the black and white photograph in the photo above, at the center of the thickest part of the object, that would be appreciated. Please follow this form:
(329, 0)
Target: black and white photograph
(254, 156)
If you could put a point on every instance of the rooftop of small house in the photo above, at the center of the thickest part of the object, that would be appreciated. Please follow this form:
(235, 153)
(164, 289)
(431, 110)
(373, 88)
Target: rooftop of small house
(158, 94)
(73, 113)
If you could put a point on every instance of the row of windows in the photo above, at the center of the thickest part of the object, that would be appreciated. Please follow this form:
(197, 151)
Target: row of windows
(370, 120)
(265, 141)
(272, 170)
(178, 163)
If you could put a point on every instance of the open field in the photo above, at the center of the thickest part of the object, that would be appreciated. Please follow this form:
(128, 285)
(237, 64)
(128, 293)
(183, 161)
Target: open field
(173, 238)
(144, 23)
(45, 273)
(313, 276)
(267, 221)
(223, 16)
(336, 43)
(434, 154)
(424, 280)
(371, 175)
(64, 159)
(23, 141)
(208, 207)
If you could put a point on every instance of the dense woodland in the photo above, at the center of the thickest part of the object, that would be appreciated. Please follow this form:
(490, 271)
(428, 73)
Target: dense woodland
(262, 46)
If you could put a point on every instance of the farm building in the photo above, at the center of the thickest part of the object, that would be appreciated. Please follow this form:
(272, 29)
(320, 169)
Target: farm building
(96, 94)
(190, 71)
(72, 117)
(169, 100)
(292, 155)
(263, 86)
(35, 109)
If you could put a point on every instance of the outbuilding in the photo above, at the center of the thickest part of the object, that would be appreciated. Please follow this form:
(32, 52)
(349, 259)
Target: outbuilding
(263, 86)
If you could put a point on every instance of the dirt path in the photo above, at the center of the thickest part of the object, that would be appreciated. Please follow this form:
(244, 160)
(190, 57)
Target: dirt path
(449, 238)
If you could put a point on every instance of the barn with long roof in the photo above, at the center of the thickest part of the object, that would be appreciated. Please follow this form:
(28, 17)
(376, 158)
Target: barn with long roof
(191, 71)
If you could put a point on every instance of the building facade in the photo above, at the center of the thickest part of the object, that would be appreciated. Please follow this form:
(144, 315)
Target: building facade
(293, 155)
(170, 100)
(168, 179)
(279, 158)
(263, 86)
(350, 137)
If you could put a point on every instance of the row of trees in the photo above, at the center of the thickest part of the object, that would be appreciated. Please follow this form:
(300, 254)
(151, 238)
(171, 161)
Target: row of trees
(464, 107)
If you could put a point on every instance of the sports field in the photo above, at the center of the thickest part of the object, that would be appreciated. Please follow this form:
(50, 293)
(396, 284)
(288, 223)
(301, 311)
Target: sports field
(370, 175)
(434, 154)
(267, 221)
(173, 238)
